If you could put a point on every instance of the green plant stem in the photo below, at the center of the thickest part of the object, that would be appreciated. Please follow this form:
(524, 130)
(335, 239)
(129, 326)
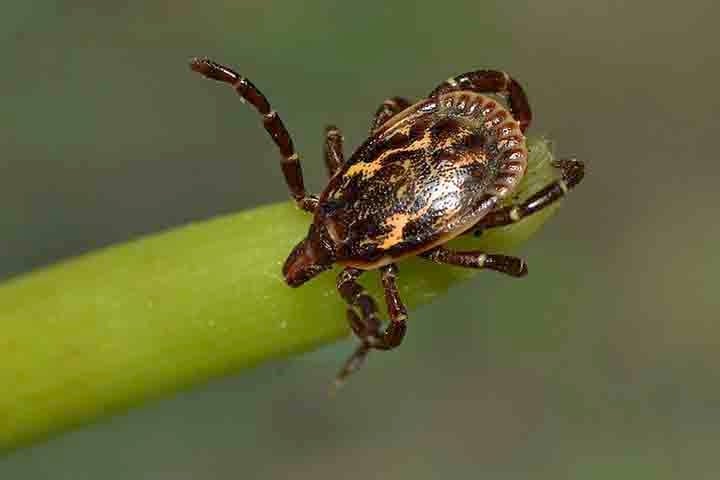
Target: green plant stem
(100, 333)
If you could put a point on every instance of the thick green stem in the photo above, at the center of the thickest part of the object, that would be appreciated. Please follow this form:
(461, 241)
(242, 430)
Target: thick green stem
(94, 335)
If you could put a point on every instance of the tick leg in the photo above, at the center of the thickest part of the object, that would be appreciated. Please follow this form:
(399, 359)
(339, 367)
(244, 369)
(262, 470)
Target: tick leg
(395, 331)
(367, 325)
(513, 266)
(334, 141)
(364, 325)
(492, 81)
(388, 109)
(272, 122)
(333, 149)
(572, 173)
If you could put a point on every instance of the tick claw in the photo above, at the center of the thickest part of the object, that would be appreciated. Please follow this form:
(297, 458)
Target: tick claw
(573, 170)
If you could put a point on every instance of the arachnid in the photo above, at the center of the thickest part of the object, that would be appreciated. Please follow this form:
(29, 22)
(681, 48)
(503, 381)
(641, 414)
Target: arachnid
(428, 172)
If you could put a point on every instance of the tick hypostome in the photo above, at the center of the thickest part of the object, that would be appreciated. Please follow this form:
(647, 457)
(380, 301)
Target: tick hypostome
(428, 172)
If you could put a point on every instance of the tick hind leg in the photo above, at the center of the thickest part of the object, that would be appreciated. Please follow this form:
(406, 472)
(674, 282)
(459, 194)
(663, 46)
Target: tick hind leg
(492, 81)
(363, 316)
(388, 109)
(513, 266)
(573, 172)
(271, 120)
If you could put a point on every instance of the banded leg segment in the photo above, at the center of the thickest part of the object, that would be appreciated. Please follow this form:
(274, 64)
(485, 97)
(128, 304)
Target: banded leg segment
(573, 172)
(271, 121)
(388, 109)
(496, 82)
(395, 332)
(513, 266)
(334, 156)
(367, 325)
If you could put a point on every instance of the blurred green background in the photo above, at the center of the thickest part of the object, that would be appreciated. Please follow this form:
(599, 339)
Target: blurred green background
(603, 363)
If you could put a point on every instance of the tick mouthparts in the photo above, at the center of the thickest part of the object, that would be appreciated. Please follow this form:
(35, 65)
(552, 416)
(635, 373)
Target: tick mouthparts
(304, 262)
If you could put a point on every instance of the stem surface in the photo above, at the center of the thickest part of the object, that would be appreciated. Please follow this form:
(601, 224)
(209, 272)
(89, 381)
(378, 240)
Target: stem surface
(105, 331)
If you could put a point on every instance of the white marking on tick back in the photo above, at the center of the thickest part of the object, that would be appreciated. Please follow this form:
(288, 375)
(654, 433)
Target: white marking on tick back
(446, 196)
(451, 81)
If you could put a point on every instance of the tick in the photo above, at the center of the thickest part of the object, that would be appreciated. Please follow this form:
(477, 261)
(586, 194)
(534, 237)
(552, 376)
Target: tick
(428, 172)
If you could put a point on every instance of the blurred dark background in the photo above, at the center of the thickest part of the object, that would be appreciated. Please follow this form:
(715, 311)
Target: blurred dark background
(603, 363)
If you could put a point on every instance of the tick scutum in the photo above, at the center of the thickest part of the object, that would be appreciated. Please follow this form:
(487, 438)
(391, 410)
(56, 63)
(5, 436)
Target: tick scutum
(422, 178)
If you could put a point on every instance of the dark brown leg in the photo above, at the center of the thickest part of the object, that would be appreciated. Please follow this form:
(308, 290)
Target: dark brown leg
(334, 141)
(396, 309)
(272, 122)
(388, 109)
(572, 173)
(492, 81)
(333, 149)
(367, 325)
(512, 266)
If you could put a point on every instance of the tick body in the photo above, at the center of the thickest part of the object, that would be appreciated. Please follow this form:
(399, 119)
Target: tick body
(422, 178)
(428, 172)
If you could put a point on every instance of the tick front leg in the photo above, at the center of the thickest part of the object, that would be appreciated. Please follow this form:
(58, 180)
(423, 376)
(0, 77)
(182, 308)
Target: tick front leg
(513, 266)
(367, 325)
(388, 109)
(334, 156)
(271, 121)
(572, 173)
(492, 81)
